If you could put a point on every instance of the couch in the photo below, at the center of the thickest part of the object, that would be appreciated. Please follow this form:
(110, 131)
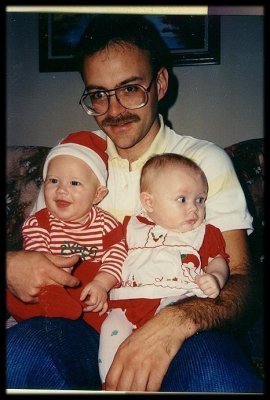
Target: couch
(24, 177)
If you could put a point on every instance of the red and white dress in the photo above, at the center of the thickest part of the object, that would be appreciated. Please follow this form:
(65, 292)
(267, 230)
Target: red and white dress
(159, 270)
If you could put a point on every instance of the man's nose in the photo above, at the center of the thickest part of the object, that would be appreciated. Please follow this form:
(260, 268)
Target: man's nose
(115, 108)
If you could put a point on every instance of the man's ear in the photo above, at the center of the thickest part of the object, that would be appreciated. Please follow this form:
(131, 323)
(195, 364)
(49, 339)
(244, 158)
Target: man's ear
(162, 82)
(101, 192)
(147, 201)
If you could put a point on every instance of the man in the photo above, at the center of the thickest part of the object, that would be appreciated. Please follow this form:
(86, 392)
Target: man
(125, 68)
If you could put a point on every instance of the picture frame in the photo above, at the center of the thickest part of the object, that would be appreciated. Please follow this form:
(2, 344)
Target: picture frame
(192, 39)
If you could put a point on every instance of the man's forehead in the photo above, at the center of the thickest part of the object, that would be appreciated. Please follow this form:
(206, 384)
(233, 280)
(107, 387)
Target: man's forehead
(116, 66)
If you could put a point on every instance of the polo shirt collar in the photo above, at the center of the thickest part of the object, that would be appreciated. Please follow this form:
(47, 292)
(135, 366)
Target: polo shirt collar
(158, 145)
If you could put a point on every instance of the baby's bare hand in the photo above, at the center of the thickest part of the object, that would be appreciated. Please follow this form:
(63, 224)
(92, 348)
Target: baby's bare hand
(95, 296)
(102, 307)
(208, 284)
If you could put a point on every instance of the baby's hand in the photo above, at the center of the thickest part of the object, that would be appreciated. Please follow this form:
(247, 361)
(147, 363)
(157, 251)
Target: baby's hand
(95, 296)
(209, 284)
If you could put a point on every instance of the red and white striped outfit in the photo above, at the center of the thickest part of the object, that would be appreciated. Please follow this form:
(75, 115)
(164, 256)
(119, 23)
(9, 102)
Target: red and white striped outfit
(99, 239)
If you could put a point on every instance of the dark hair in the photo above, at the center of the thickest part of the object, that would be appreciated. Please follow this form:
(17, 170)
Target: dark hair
(106, 29)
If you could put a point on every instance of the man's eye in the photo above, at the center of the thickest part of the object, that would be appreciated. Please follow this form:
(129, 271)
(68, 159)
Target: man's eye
(181, 199)
(75, 183)
(130, 89)
(98, 95)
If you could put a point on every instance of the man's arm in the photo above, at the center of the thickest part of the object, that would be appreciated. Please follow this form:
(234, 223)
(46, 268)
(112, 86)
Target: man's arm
(144, 357)
(28, 271)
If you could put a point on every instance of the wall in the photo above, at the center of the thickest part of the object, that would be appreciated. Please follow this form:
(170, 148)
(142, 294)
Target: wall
(221, 103)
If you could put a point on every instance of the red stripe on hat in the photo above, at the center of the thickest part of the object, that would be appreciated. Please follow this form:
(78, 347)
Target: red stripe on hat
(91, 140)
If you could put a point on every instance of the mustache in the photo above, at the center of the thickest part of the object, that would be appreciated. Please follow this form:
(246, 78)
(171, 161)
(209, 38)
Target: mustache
(120, 119)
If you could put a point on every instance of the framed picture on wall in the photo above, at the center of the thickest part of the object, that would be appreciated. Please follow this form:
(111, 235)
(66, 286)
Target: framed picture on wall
(192, 39)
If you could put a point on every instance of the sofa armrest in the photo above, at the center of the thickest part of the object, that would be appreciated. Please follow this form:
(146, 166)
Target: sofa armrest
(23, 179)
(248, 160)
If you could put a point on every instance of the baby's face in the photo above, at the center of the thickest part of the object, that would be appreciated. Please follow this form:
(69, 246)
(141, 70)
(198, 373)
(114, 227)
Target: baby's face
(178, 199)
(70, 188)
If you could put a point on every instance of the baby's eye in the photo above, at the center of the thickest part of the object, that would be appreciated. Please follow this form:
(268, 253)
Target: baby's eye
(200, 200)
(181, 199)
(53, 180)
(75, 183)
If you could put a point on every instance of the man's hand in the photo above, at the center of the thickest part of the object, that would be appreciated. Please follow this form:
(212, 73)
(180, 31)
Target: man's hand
(28, 271)
(144, 357)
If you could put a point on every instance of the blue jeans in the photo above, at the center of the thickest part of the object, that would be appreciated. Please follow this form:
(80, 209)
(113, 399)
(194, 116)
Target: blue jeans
(57, 353)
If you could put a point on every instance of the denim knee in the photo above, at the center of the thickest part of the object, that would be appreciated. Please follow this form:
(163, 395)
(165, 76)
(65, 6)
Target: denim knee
(52, 353)
(211, 361)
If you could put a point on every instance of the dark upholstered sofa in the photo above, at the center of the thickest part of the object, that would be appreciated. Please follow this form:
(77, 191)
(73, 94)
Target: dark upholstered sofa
(23, 179)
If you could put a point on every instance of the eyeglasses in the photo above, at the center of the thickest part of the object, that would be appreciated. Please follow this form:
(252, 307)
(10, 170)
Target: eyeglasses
(131, 96)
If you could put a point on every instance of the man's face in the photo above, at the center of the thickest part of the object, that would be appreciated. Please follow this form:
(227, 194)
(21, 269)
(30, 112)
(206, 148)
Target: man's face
(111, 68)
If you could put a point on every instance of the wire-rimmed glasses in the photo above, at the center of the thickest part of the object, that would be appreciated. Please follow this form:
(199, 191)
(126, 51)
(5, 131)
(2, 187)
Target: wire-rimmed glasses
(131, 96)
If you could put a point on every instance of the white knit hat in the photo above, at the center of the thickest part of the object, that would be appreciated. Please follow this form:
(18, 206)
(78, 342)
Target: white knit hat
(88, 147)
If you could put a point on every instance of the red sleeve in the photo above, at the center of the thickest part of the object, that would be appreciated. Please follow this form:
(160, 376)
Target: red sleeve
(213, 245)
